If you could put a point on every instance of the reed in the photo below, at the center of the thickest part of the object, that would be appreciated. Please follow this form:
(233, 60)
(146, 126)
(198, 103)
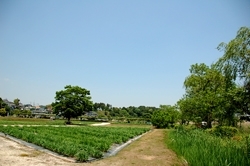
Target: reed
(200, 148)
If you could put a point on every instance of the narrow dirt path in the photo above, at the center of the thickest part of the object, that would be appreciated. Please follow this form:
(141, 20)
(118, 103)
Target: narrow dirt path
(148, 150)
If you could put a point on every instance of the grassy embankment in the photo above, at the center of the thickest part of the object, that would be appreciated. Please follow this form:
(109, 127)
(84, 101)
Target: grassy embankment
(199, 147)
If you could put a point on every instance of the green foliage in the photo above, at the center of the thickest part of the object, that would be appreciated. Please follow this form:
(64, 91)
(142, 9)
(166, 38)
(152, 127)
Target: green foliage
(224, 131)
(16, 112)
(3, 112)
(17, 103)
(82, 156)
(205, 95)
(123, 113)
(80, 142)
(248, 145)
(235, 63)
(72, 102)
(5, 106)
(211, 91)
(166, 116)
(127, 112)
(201, 148)
(101, 114)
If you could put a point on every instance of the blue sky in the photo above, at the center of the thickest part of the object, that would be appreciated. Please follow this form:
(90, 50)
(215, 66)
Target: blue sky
(127, 53)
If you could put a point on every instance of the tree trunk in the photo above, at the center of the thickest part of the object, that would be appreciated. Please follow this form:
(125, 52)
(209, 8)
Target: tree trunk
(209, 121)
(209, 124)
(68, 120)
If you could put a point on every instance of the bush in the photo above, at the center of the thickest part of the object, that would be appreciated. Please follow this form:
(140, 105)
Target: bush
(224, 131)
(3, 112)
(165, 117)
(16, 112)
(160, 119)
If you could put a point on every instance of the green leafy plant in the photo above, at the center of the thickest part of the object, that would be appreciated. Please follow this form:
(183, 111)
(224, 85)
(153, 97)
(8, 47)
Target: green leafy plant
(79, 142)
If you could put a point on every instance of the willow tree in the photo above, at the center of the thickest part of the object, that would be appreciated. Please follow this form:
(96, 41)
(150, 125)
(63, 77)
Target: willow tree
(71, 102)
(235, 63)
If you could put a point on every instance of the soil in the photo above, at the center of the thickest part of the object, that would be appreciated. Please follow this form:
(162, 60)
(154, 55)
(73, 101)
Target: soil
(150, 149)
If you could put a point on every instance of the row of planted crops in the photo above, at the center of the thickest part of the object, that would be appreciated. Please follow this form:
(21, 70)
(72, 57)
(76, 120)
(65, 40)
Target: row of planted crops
(82, 143)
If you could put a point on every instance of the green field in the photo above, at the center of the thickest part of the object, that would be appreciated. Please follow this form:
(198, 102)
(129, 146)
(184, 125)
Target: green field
(34, 121)
(201, 148)
(81, 143)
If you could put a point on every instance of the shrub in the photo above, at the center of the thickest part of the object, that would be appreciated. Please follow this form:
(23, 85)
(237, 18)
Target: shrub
(160, 119)
(224, 131)
(16, 112)
(165, 117)
(3, 112)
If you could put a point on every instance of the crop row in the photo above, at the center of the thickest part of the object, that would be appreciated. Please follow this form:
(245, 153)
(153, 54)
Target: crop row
(82, 143)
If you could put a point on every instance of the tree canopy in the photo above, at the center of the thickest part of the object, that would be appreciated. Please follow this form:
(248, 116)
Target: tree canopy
(5, 109)
(212, 92)
(235, 63)
(17, 103)
(71, 102)
(236, 59)
(208, 96)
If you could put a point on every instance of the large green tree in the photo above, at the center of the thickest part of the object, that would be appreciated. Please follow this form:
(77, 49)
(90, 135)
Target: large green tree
(212, 92)
(4, 106)
(71, 102)
(206, 95)
(235, 63)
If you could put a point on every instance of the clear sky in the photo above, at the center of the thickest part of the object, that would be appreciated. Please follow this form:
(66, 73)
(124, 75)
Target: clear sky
(127, 53)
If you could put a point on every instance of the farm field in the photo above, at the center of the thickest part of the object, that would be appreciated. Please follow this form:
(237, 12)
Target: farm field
(34, 121)
(149, 150)
(82, 143)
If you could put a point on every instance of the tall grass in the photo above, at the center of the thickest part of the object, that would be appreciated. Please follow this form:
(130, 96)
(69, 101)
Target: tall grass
(200, 148)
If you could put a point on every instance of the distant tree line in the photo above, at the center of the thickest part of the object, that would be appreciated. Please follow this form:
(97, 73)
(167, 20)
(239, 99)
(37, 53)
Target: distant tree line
(75, 101)
(106, 110)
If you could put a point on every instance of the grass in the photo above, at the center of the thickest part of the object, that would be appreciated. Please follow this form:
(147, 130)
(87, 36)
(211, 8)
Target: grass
(201, 148)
